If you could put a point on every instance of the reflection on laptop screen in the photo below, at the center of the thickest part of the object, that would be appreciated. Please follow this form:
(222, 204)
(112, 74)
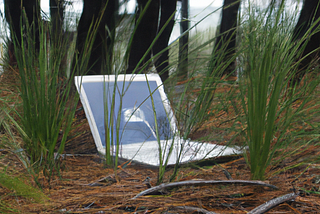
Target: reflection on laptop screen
(137, 122)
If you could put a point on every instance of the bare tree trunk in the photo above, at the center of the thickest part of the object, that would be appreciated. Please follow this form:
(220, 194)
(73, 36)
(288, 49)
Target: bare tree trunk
(167, 11)
(146, 31)
(183, 42)
(97, 16)
(57, 8)
(226, 40)
(14, 14)
(310, 14)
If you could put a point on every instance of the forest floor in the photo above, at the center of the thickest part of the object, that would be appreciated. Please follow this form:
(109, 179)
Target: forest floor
(87, 186)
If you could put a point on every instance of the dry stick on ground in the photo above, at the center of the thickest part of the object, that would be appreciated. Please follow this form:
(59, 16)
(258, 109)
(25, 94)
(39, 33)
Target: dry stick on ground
(201, 183)
(273, 203)
(194, 209)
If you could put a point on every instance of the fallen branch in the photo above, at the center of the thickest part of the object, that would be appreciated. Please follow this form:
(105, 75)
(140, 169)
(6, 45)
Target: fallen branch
(273, 203)
(201, 183)
(194, 209)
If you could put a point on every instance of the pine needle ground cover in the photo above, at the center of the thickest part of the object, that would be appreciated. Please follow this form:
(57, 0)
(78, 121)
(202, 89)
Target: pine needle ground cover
(87, 186)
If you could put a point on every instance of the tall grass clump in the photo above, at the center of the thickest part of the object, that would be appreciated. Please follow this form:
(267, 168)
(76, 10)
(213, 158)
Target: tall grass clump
(47, 105)
(193, 99)
(269, 62)
(117, 64)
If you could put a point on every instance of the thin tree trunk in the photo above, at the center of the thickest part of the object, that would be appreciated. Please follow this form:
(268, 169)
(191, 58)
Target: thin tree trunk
(97, 16)
(14, 14)
(146, 31)
(226, 40)
(57, 8)
(310, 14)
(183, 42)
(167, 9)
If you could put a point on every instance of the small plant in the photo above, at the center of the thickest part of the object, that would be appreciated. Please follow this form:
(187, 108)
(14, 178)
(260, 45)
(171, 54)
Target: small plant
(19, 188)
(267, 100)
(47, 105)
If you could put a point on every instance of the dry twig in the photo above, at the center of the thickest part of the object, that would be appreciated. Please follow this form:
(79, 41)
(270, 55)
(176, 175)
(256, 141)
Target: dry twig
(194, 209)
(273, 203)
(201, 183)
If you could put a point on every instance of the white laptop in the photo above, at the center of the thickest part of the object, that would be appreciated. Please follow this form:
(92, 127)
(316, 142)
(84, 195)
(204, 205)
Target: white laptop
(137, 99)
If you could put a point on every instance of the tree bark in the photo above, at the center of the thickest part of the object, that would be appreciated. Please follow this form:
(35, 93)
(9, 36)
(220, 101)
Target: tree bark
(97, 16)
(57, 8)
(184, 41)
(226, 40)
(20, 14)
(309, 14)
(146, 30)
(57, 34)
(167, 11)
